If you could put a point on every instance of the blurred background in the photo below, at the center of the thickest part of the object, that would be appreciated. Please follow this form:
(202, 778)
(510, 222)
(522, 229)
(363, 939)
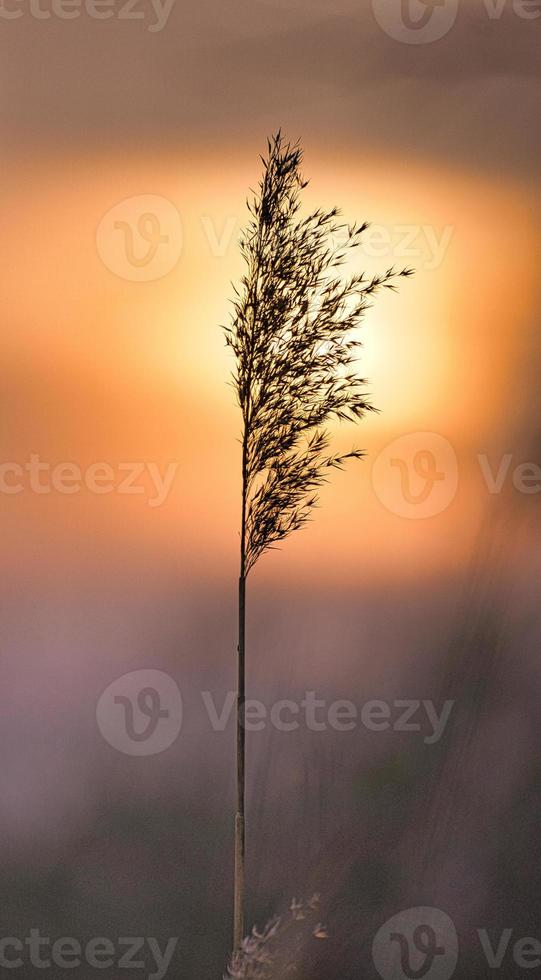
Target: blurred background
(129, 144)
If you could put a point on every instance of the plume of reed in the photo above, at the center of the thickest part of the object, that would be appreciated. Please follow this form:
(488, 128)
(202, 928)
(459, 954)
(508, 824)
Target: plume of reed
(279, 950)
(293, 334)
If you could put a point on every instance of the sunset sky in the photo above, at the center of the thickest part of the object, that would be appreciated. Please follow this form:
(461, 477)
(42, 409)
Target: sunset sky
(106, 369)
(112, 363)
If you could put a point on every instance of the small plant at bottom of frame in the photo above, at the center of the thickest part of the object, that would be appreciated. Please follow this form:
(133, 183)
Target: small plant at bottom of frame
(280, 949)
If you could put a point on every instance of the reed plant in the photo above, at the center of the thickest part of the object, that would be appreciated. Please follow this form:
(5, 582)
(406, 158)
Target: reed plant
(294, 336)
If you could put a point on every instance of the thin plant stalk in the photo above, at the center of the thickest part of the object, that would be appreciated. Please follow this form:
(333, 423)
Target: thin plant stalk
(294, 339)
